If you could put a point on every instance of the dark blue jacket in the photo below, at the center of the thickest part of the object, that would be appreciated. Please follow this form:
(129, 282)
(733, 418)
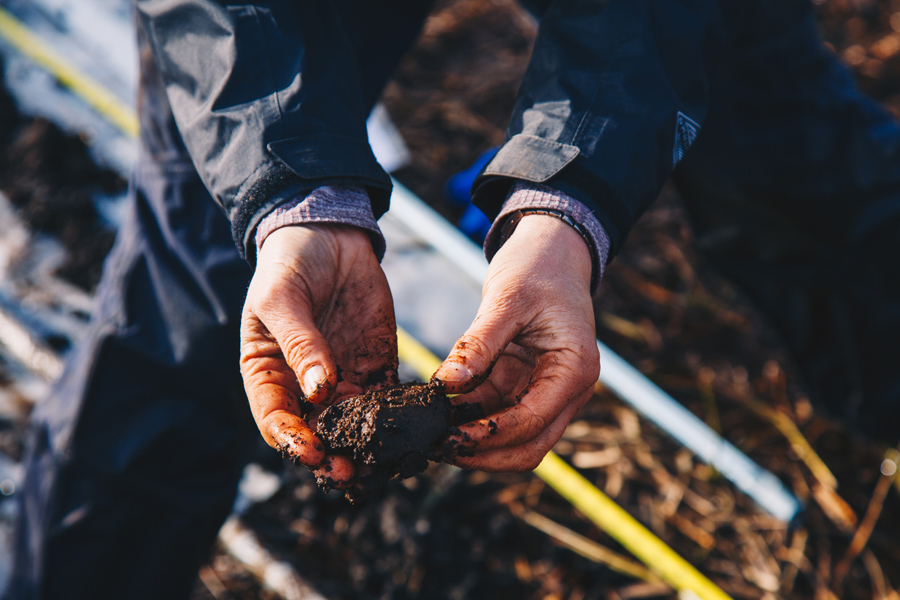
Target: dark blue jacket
(269, 100)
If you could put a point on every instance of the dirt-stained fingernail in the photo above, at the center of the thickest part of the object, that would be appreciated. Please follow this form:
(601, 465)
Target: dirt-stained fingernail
(453, 372)
(312, 379)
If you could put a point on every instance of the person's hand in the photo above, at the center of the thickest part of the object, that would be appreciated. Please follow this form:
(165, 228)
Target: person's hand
(531, 354)
(318, 325)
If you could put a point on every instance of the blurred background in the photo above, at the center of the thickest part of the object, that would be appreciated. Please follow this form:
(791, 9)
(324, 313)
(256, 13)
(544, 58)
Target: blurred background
(449, 533)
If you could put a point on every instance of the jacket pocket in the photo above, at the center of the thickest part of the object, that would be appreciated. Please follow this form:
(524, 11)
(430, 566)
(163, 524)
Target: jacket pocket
(531, 158)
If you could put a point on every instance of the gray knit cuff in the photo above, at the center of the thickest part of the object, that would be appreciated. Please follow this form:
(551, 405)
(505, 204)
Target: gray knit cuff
(534, 195)
(338, 204)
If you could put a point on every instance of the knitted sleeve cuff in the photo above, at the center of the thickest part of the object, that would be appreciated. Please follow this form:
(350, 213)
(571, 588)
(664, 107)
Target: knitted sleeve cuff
(337, 204)
(525, 195)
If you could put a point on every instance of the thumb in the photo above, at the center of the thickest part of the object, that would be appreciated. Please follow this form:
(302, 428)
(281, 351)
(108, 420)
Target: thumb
(304, 347)
(472, 358)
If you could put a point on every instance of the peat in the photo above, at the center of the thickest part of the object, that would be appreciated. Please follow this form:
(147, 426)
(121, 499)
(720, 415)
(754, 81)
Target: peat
(392, 432)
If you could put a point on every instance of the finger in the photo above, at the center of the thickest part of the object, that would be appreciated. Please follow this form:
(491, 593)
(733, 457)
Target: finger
(291, 436)
(525, 457)
(509, 378)
(475, 353)
(561, 378)
(336, 472)
(285, 313)
(273, 393)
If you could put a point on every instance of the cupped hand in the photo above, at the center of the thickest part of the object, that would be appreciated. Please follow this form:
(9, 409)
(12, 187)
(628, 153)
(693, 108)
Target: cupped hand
(318, 325)
(530, 357)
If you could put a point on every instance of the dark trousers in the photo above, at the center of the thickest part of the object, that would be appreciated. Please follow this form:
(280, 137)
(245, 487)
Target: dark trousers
(133, 463)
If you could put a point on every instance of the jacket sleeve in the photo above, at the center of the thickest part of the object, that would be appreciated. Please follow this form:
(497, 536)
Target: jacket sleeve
(614, 94)
(267, 98)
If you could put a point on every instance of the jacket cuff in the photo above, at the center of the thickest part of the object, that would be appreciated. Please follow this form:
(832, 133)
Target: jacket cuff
(534, 195)
(337, 204)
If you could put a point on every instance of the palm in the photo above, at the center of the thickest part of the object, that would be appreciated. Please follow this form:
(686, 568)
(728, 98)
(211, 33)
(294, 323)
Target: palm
(357, 321)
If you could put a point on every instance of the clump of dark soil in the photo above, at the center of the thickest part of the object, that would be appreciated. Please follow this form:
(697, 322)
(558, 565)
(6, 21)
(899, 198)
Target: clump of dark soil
(390, 432)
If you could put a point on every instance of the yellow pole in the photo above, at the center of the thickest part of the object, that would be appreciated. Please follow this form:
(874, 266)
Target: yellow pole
(625, 529)
(595, 505)
(416, 356)
(95, 95)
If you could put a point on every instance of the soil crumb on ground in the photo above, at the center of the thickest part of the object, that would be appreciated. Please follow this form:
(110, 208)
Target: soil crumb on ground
(389, 432)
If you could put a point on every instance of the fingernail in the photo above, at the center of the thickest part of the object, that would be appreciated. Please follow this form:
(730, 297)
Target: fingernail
(312, 379)
(453, 372)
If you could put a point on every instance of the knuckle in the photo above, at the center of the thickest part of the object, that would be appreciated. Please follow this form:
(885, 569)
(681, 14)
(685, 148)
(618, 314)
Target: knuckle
(582, 362)
(592, 354)
(256, 348)
(473, 349)
(592, 368)
(536, 422)
(585, 397)
(530, 460)
(297, 348)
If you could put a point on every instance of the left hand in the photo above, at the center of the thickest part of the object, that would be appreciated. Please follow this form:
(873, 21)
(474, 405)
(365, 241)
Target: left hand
(530, 357)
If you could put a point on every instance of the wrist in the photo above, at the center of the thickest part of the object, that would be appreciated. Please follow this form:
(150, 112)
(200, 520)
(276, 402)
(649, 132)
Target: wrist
(512, 221)
(298, 239)
(560, 247)
(329, 204)
(528, 196)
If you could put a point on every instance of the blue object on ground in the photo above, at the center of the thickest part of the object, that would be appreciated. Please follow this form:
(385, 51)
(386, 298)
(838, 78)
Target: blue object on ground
(458, 193)
(474, 223)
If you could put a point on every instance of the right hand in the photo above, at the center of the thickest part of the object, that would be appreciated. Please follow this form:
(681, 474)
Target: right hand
(318, 325)
(530, 357)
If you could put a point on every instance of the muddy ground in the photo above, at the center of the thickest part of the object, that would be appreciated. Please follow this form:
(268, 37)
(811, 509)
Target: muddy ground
(467, 535)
